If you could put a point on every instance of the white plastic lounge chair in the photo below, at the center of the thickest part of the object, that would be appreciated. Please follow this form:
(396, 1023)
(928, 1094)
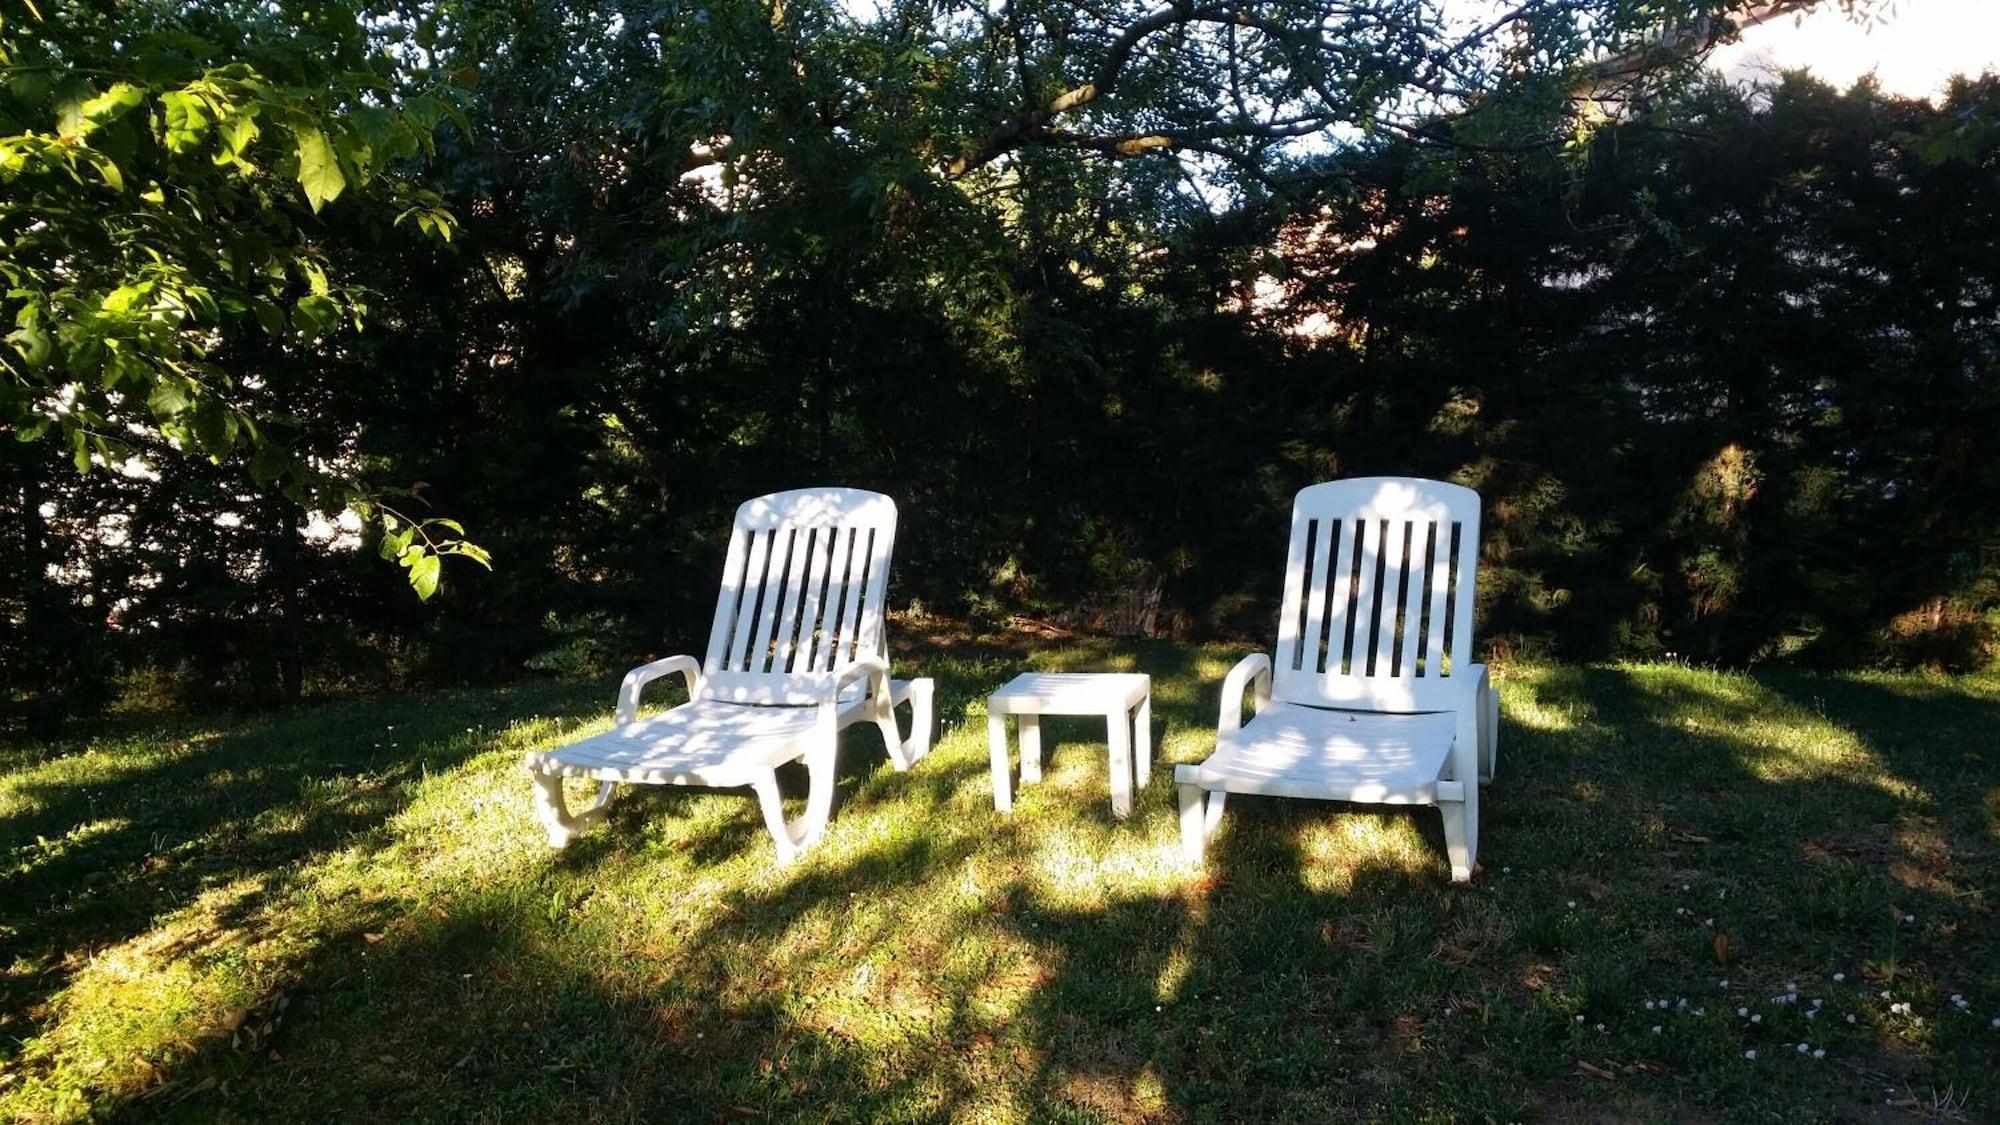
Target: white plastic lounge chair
(796, 653)
(1371, 696)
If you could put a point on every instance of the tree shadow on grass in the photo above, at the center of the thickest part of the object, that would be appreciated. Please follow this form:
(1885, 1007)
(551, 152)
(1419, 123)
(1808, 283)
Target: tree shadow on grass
(105, 844)
(1792, 837)
(936, 960)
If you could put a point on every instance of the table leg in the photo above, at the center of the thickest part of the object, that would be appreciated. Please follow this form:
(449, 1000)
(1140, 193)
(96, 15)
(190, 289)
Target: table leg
(1142, 757)
(1120, 726)
(1031, 748)
(996, 740)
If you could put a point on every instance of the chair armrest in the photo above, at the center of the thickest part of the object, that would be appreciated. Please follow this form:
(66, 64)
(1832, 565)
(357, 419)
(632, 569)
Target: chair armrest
(875, 668)
(1251, 672)
(636, 680)
(1477, 684)
(1472, 751)
(1488, 700)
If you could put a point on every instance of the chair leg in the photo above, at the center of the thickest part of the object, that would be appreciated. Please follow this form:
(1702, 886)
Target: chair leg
(822, 777)
(772, 803)
(1489, 736)
(996, 749)
(795, 837)
(1199, 819)
(1142, 743)
(1194, 830)
(1030, 727)
(892, 739)
(923, 719)
(1461, 837)
(1119, 724)
(552, 810)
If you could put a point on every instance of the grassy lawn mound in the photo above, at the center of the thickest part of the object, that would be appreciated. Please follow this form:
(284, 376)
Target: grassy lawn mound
(1705, 896)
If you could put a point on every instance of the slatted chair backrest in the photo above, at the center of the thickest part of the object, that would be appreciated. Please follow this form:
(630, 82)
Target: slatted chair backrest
(1378, 595)
(803, 592)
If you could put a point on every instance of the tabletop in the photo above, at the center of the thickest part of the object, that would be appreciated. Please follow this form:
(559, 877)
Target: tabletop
(1086, 693)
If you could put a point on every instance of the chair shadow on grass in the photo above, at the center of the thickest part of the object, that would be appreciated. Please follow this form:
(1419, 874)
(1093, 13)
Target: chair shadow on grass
(1296, 977)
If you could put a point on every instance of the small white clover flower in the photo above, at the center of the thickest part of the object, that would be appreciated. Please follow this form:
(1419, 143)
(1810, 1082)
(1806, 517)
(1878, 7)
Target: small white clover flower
(1742, 1013)
(1819, 1052)
(1722, 984)
(1757, 1018)
(1649, 1005)
(1995, 1025)
(1572, 904)
(1656, 1029)
(1579, 1019)
(1810, 1013)
(1600, 1029)
(1838, 977)
(1751, 1055)
(1850, 1019)
(1804, 1048)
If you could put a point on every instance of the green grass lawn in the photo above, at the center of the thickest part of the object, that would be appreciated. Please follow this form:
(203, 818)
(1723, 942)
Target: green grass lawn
(346, 911)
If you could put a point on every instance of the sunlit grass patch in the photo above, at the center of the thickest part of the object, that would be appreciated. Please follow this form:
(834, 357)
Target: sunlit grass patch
(348, 912)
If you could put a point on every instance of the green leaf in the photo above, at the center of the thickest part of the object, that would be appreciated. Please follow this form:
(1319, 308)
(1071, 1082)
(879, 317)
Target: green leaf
(471, 551)
(269, 316)
(70, 100)
(386, 134)
(107, 169)
(124, 297)
(32, 343)
(424, 575)
(394, 543)
(187, 121)
(314, 315)
(168, 399)
(319, 170)
(237, 133)
(121, 99)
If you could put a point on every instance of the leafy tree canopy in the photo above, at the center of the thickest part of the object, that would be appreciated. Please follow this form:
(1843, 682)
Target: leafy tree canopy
(164, 168)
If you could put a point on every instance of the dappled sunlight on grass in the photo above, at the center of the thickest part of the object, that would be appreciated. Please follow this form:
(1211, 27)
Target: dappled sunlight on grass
(1339, 849)
(318, 936)
(1538, 705)
(1779, 742)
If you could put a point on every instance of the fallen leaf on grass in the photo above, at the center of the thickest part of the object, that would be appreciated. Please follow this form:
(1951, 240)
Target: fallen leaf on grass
(1722, 948)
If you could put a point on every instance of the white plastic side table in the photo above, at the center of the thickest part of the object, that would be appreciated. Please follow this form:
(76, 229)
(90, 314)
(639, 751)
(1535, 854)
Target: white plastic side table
(1125, 699)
